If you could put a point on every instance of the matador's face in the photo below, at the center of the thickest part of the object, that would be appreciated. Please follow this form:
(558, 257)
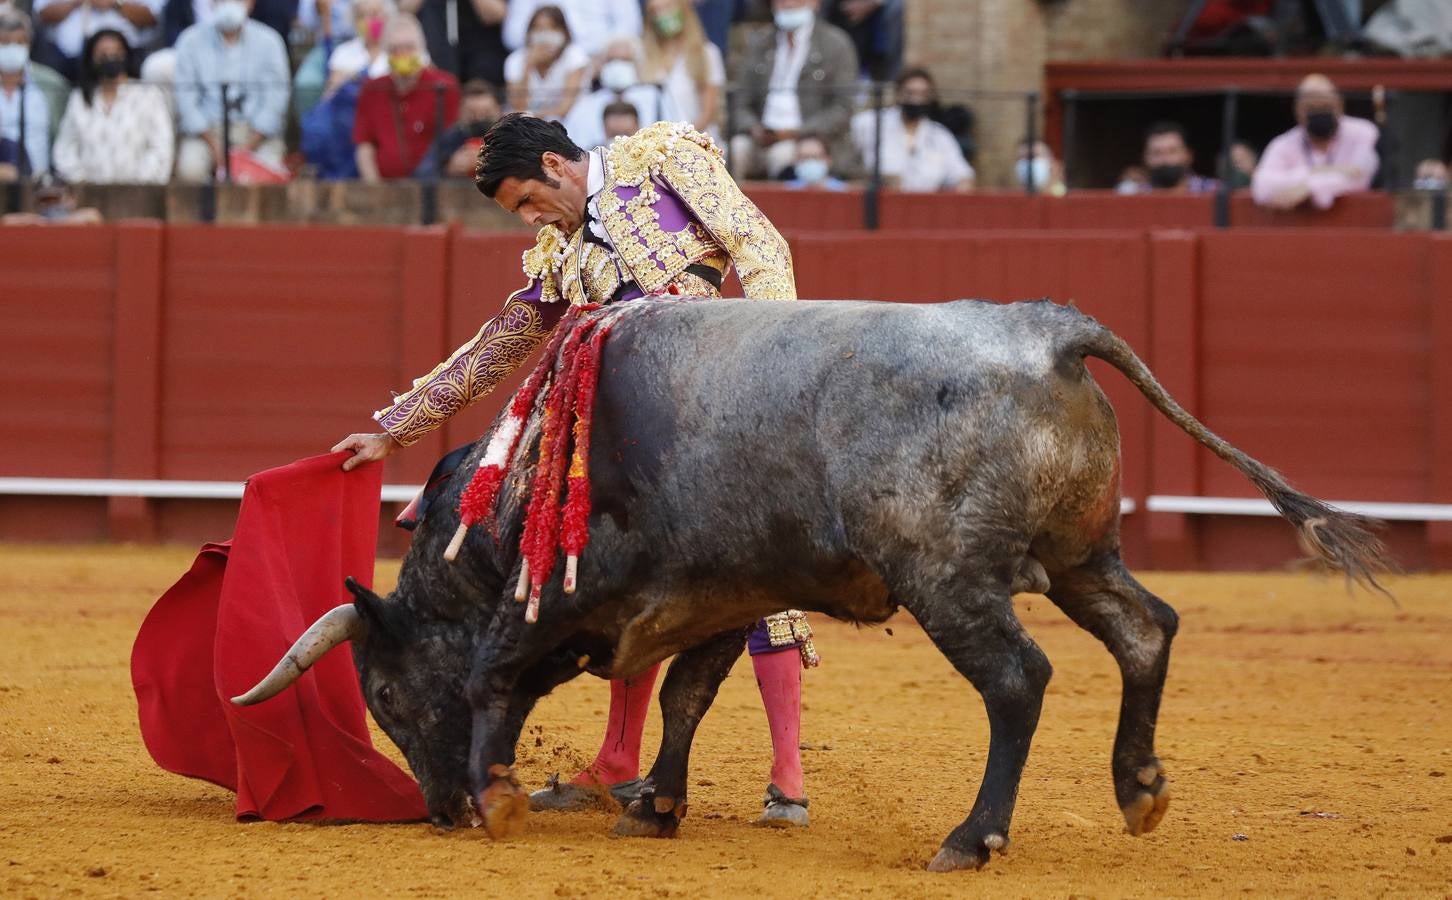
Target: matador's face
(558, 201)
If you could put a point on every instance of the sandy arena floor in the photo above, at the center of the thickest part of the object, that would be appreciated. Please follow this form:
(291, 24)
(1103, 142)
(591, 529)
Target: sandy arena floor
(1308, 734)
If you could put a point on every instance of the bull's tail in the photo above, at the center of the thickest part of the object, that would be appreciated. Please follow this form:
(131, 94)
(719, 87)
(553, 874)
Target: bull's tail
(1343, 541)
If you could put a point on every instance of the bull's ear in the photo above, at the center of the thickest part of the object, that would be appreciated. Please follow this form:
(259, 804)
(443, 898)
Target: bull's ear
(372, 608)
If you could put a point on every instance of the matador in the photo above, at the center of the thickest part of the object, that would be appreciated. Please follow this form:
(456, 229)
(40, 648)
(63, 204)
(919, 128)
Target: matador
(653, 214)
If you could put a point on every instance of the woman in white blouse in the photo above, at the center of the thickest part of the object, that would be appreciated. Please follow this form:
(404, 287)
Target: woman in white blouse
(686, 65)
(544, 76)
(115, 130)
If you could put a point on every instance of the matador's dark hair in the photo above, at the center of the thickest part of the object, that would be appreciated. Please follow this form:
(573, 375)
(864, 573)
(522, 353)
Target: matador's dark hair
(514, 147)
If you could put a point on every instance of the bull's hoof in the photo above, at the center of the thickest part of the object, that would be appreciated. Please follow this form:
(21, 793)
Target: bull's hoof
(955, 859)
(503, 805)
(571, 797)
(649, 816)
(1150, 798)
(781, 811)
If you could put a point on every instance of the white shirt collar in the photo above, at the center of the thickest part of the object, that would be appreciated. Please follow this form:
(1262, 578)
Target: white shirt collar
(595, 175)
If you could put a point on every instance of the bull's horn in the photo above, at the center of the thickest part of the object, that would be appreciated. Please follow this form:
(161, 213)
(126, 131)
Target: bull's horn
(339, 624)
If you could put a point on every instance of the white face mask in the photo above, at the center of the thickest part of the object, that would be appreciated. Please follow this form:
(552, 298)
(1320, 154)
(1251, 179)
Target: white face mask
(1041, 171)
(13, 57)
(618, 74)
(547, 39)
(229, 15)
(812, 171)
(794, 18)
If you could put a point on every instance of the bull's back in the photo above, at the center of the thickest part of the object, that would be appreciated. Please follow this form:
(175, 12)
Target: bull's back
(805, 422)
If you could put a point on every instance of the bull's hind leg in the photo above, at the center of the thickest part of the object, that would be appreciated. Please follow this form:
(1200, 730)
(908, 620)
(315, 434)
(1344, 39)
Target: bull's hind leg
(974, 626)
(690, 688)
(1137, 627)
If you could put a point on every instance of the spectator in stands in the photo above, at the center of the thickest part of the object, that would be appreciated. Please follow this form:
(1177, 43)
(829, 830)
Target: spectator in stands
(1046, 172)
(53, 205)
(1431, 176)
(620, 120)
(67, 24)
(800, 76)
(481, 51)
(1326, 155)
(1242, 164)
(680, 59)
(812, 170)
(918, 154)
(1132, 180)
(52, 84)
(327, 132)
(619, 82)
(363, 53)
(327, 24)
(875, 27)
(544, 76)
(179, 15)
(115, 130)
(1169, 164)
(249, 59)
(594, 23)
(400, 114)
(456, 151)
(24, 115)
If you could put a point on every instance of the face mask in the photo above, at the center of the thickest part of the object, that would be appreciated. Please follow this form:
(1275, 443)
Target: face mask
(1430, 184)
(792, 19)
(618, 74)
(1127, 187)
(915, 111)
(812, 171)
(1166, 176)
(546, 39)
(668, 25)
(373, 29)
(13, 57)
(229, 15)
(405, 65)
(110, 68)
(1321, 125)
(1038, 166)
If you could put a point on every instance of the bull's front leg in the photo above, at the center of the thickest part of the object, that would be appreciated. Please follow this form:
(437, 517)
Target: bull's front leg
(690, 687)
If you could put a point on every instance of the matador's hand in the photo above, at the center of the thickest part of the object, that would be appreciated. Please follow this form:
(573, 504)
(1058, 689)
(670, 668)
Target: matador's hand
(366, 448)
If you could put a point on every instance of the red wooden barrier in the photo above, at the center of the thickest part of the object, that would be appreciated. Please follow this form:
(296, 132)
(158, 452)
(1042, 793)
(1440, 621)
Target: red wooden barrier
(143, 351)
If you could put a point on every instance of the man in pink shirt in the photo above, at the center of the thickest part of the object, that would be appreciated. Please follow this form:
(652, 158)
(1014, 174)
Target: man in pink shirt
(1326, 155)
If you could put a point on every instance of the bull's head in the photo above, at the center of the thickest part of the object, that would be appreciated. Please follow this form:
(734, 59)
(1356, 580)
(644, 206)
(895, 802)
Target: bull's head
(412, 670)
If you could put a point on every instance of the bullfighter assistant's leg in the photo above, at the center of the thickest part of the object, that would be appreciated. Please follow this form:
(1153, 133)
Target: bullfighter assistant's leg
(1104, 599)
(778, 670)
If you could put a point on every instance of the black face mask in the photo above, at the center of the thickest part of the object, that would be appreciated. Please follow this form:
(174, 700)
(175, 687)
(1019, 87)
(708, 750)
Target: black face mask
(915, 111)
(110, 68)
(1321, 125)
(1166, 176)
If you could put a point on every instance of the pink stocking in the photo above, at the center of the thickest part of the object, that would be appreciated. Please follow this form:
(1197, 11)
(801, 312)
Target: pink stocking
(779, 676)
(619, 756)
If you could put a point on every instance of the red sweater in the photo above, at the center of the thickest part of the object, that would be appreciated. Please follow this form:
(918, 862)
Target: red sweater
(401, 127)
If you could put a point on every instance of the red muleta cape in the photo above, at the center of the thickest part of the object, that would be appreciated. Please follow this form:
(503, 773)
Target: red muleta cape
(305, 754)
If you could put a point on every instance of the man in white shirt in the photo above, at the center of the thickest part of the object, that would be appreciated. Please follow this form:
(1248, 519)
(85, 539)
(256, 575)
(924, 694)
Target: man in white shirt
(593, 23)
(800, 77)
(68, 23)
(918, 154)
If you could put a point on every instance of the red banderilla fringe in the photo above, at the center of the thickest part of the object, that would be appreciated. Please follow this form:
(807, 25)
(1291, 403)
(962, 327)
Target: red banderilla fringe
(477, 501)
(575, 530)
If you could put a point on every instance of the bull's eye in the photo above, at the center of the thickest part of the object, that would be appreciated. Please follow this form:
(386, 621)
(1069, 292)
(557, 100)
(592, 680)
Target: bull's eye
(385, 696)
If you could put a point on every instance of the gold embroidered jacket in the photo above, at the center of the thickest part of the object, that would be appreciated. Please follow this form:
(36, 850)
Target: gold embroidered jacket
(673, 222)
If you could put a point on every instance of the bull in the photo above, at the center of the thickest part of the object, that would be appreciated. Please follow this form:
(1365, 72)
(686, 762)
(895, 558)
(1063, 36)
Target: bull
(848, 458)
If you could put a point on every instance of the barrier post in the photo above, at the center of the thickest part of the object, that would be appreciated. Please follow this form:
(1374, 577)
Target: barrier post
(1439, 288)
(1030, 131)
(136, 375)
(1071, 124)
(1174, 355)
(1227, 140)
(872, 197)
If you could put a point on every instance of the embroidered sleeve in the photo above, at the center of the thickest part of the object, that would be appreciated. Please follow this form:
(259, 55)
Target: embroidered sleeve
(696, 172)
(472, 372)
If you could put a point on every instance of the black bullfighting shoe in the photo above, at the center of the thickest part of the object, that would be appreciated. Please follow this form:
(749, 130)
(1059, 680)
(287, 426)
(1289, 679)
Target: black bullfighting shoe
(782, 811)
(571, 797)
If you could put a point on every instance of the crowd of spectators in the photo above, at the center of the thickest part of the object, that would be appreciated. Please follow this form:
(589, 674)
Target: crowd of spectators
(145, 91)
